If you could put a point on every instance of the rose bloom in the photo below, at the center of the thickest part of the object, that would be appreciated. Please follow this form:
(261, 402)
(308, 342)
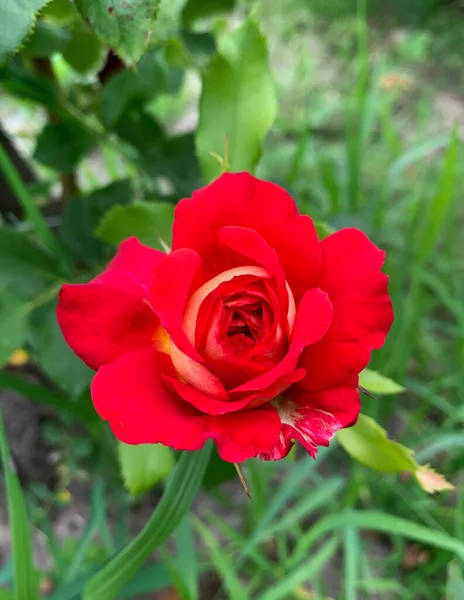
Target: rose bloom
(250, 331)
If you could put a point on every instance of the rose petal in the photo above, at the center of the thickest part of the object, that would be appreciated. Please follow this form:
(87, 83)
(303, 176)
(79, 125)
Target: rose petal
(363, 313)
(251, 245)
(131, 270)
(329, 362)
(131, 396)
(349, 262)
(172, 284)
(312, 322)
(101, 323)
(212, 406)
(313, 418)
(173, 279)
(242, 200)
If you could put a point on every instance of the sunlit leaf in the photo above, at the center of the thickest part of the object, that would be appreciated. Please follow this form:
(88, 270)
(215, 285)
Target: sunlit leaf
(375, 383)
(238, 102)
(144, 465)
(369, 444)
(150, 222)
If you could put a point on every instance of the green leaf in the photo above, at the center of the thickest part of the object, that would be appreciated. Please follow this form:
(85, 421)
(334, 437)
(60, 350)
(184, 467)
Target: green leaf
(218, 471)
(144, 465)
(62, 145)
(46, 40)
(455, 583)
(54, 356)
(195, 10)
(125, 25)
(379, 384)
(180, 492)
(18, 17)
(13, 326)
(368, 443)
(25, 578)
(30, 86)
(61, 11)
(168, 22)
(238, 102)
(81, 216)
(323, 229)
(150, 222)
(84, 50)
(162, 156)
(25, 267)
(151, 578)
(134, 88)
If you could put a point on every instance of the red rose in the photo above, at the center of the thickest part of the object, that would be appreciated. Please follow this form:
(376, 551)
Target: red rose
(251, 331)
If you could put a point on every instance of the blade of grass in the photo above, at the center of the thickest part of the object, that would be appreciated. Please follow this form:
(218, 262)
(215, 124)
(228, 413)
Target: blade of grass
(25, 577)
(288, 583)
(310, 503)
(439, 207)
(239, 542)
(377, 521)
(224, 565)
(299, 472)
(186, 560)
(351, 560)
(180, 492)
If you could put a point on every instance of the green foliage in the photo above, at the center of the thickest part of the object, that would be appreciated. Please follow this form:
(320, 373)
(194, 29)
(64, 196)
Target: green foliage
(25, 266)
(81, 216)
(46, 40)
(238, 103)
(25, 577)
(61, 145)
(13, 326)
(150, 222)
(375, 383)
(358, 141)
(144, 465)
(132, 88)
(125, 25)
(83, 50)
(368, 443)
(196, 10)
(177, 498)
(455, 584)
(18, 17)
(54, 356)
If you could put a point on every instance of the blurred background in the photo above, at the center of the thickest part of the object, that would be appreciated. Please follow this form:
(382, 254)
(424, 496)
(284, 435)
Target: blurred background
(370, 117)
